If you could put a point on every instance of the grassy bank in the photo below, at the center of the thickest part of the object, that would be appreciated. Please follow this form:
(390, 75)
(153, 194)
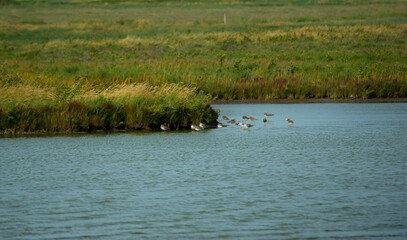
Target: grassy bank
(123, 107)
(266, 50)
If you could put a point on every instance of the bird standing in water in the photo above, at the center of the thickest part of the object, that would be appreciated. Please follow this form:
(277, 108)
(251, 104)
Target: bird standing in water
(195, 127)
(232, 121)
(220, 125)
(164, 127)
(289, 121)
(245, 125)
(203, 125)
(240, 123)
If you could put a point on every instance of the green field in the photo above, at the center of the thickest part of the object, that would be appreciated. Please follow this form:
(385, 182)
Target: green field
(62, 51)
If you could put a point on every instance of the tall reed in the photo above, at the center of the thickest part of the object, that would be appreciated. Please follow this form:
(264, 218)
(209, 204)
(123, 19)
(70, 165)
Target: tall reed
(123, 107)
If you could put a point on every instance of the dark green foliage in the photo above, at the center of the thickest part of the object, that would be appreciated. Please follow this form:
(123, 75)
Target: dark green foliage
(6, 2)
(78, 117)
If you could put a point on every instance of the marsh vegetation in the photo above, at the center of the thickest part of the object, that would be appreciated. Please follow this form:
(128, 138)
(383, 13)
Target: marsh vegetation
(55, 55)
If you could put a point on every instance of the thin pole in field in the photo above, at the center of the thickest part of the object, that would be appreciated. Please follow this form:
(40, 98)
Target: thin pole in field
(224, 18)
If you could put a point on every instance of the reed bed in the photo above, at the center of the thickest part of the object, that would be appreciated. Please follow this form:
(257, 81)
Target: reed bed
(122, 107)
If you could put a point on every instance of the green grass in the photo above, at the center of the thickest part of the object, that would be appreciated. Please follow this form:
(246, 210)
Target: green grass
(267, 50)
(122, 107)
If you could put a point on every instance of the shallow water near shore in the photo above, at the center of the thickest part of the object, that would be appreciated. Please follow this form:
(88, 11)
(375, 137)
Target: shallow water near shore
(340, 171)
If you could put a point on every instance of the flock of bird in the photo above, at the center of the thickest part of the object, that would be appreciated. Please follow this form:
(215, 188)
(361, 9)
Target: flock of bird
(243, 123)
(245, 119)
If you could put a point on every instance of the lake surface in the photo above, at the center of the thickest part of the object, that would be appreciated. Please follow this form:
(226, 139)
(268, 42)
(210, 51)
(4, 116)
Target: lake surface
(340, 171)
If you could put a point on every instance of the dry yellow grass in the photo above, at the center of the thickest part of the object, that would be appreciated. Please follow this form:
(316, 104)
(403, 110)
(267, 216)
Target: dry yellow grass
(25, 95)
(320, 33)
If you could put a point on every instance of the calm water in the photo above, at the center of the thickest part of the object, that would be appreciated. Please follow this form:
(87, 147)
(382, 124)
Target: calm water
(339, 172)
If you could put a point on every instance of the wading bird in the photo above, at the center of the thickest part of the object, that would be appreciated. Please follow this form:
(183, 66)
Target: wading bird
(225, 118)
(240, 123)
(164, 127)
(245, 118)
(220, 125)
(203, 125)
(268, 115)
(232, 121)
(245, 125)
(252, 119)
(195, 127)
(289, 121)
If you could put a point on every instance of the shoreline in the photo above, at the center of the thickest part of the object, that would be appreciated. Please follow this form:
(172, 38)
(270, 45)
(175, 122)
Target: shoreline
(310, 101)
(12, 133)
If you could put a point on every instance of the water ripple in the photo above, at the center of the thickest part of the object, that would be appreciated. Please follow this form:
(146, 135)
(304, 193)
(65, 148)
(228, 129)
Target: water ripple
(338, 172)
